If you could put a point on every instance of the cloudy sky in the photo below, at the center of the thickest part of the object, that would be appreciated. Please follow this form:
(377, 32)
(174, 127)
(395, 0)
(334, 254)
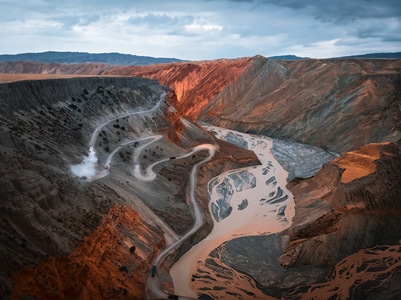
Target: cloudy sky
(202, 29)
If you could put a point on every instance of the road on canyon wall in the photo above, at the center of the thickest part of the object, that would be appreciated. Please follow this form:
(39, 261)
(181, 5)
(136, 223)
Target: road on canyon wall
(153, 290)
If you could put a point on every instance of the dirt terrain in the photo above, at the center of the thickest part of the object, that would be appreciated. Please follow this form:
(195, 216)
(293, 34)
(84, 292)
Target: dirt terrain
(345, 239)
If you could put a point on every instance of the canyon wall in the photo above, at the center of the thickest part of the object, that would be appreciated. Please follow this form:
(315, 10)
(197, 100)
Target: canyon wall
(195, 83)
(45, 210)
(45, 127)
(345, 237)
(345, 240)
(63, 236)
(340, 104)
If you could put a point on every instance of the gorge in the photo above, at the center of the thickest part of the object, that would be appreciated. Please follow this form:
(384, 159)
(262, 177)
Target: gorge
(332, 128)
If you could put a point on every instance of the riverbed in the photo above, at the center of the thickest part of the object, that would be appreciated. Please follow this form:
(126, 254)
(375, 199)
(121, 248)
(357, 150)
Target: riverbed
(243, 202)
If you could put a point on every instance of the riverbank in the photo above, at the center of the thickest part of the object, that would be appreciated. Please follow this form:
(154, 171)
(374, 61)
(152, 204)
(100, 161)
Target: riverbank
(243, 202)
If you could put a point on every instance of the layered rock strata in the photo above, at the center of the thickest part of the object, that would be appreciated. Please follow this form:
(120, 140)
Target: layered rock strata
(110, 262)
(59, 230)
(345, 238)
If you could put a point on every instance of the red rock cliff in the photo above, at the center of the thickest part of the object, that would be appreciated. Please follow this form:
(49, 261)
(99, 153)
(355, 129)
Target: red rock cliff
(111, 263)
(195, 83)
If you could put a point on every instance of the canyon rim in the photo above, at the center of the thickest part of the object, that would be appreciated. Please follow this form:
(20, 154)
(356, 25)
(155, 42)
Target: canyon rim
(333, 125)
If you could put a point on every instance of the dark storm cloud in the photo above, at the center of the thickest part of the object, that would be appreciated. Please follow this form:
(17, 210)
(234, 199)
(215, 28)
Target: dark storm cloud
(202, 29)
(337, 10)
(293, 4)
(364, 18)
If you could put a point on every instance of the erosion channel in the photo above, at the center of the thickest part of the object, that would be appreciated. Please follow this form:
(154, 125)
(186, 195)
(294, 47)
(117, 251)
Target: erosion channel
(249, 201)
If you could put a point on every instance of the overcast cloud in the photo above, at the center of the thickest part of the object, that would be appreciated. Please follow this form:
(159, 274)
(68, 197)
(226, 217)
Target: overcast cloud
(203, 29)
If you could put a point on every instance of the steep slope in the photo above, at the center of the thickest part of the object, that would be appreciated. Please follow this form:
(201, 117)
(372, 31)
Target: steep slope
(44, 128)
(109, 263)
(339, 104)
(350, 213)
(349, 209)
(345, 241)
(60, 228)
(195, 83)
(347, 216)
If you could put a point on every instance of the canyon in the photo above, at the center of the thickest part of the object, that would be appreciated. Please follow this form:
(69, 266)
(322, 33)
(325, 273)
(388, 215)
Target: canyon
(334, 128)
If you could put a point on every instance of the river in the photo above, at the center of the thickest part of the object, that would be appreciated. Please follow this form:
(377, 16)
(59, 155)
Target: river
(243, 202)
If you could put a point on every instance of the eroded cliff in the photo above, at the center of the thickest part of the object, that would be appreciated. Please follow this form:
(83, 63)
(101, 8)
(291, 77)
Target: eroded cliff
(347, 217)
(350, 214)
(46, 127)
(340, 104)
(59, 229)
(344, 242)
(195, 83)
(110, 262)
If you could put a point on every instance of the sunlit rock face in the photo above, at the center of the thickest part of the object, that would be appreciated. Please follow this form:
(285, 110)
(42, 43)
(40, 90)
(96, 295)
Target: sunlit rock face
(55, 217)
(47, 209)
(195, 83)
(319, 255)
(344, 241)
(348, 216)
(108, 263)
(339, 104)
(45, 128)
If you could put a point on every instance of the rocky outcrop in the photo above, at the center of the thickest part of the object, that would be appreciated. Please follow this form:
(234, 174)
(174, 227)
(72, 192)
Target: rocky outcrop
(111, 262)
(195, 83)
(345, 238)
(338, 104)
(348, 215)
(59, 231)
(341, 104)
(351, 204)
(45, 126)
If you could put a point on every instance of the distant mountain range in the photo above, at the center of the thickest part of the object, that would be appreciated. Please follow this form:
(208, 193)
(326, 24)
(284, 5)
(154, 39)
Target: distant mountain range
(370, 55)
(84, 57)
(287, 57)
(376, 55)
(135, 60)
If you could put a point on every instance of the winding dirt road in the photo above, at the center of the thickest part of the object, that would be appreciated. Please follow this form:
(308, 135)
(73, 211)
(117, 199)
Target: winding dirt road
(87, 168)
(153, 289)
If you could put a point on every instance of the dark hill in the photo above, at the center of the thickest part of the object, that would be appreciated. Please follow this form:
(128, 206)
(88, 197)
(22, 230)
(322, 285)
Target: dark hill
(287, 57)
(376, 55)
(84, 57)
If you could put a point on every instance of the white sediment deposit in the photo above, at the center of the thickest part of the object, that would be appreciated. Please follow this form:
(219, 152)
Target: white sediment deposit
(87, 168)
